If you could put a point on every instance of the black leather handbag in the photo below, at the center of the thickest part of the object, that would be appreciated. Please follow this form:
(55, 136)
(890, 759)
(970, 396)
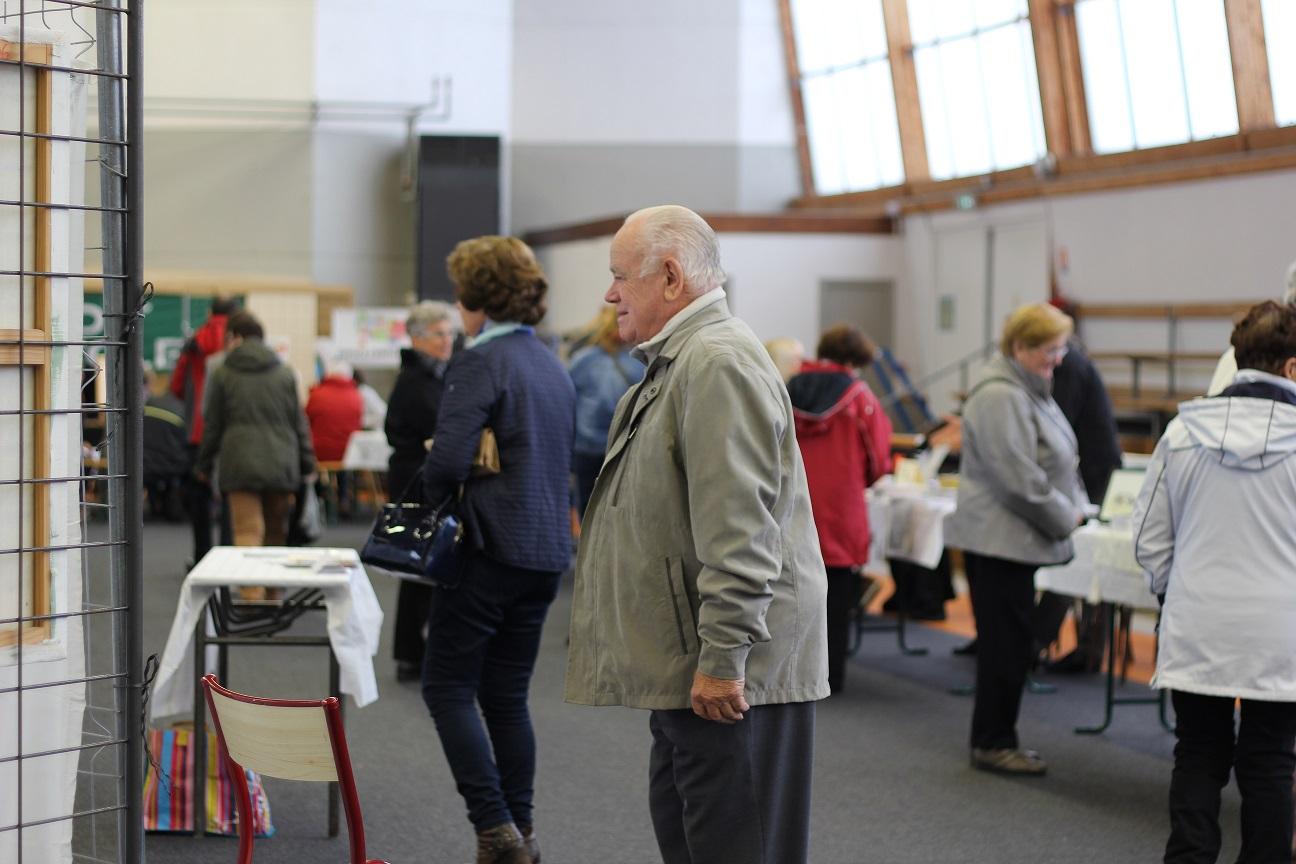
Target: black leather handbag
(418, 542)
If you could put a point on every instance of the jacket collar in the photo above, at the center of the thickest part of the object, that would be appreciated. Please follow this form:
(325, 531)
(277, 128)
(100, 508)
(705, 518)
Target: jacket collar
(1037, 385)
(1262, 385)
(706, 309)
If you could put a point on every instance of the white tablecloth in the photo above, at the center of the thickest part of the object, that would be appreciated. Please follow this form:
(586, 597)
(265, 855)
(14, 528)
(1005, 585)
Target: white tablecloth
(1103, 570)
(907, 522)
(354, 616)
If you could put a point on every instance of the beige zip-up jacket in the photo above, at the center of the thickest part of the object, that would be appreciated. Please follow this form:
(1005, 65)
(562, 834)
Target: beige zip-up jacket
(699, 550)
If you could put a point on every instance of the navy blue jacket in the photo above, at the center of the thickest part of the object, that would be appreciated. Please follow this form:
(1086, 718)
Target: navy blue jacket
(517, 387)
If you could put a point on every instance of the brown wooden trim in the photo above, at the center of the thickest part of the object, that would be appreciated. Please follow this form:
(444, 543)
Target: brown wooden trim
(904, 82)
(34, 633)
(1263, 139)
(32, 355)
(1250, 64)
(1207, 168)
(43, 379)
(1228, 309)
(1048, 69)
(1068, 47)
(790, 222)
(793, 65)
(1153, 155)
(33, 53)
(869, 200)
(1158, 356)
(1233, 155)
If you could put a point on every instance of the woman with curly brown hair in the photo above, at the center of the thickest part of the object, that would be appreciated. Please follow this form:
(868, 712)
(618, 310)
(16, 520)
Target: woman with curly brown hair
(484, 635)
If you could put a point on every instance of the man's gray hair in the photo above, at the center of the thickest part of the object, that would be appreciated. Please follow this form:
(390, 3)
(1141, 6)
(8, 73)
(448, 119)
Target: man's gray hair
(426, 315)
(671, 231)
(1289, 296)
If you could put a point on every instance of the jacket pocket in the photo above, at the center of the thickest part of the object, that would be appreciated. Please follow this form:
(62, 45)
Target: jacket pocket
(685, 625)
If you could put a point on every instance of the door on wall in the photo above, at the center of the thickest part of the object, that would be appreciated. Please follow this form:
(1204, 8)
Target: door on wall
(867, 305)
(1020, 271)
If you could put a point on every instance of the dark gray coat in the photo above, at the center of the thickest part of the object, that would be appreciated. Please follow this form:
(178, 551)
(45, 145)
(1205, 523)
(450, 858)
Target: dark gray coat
(254, 423)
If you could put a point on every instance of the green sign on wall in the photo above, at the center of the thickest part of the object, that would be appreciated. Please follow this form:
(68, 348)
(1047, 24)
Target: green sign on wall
(168, 322)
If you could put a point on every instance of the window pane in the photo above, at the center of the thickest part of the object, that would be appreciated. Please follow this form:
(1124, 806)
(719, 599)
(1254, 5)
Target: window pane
(939, 19)
(992, 12)
(1208, 69)
(831, 34)
(823, 133)
(1155, 84)
(1280, 42)
(980, 102)
(851, 123)
(1156, 72)
(1110, 126)
(850, 110)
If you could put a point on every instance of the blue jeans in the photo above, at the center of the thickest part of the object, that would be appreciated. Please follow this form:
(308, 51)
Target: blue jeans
(483, 638)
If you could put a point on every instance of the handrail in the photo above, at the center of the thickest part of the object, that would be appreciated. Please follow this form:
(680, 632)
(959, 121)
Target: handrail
(961, 365)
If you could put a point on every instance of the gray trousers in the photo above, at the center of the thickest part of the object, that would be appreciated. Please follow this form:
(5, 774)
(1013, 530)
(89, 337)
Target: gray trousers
(739, 794)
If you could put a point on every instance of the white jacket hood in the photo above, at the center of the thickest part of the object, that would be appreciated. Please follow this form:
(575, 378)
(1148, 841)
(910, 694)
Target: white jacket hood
(1250, 433)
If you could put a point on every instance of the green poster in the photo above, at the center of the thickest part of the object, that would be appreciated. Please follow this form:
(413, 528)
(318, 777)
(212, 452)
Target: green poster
(168, 322)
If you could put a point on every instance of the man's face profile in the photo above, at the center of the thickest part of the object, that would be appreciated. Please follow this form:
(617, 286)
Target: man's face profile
(639, 300)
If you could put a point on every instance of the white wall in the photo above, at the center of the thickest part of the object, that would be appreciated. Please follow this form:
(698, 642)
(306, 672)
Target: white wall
(391, 51)
(235, 49)
(775, 277)
(626, 71)
(1217, 240)
(620, 104)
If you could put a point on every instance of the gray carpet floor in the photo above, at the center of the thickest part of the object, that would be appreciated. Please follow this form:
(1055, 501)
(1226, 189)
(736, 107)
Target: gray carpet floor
(892, 780)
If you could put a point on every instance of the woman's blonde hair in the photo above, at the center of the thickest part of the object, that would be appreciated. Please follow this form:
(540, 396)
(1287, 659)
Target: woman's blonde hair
(605, 332)
(1032, 325)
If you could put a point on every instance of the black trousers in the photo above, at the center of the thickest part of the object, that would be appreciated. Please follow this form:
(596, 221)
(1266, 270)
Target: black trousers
(843, 594)
(412, 603)
(1003, 598)
(732, 794)
(1260, 757)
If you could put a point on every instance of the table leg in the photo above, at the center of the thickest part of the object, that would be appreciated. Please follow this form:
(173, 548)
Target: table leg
(1111, 700)
(334, 690)
(199, 746)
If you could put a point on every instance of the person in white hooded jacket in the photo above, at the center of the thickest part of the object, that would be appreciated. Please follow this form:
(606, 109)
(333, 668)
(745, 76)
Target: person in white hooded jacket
(1215, 530)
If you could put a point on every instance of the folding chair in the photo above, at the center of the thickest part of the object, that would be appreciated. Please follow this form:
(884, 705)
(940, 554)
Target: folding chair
(288, 739)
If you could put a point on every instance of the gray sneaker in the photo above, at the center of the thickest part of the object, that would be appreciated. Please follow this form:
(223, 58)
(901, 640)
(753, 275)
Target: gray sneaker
(1005, 760)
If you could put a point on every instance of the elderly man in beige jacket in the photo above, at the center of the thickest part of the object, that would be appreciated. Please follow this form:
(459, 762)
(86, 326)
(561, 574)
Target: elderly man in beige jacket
(700, 590)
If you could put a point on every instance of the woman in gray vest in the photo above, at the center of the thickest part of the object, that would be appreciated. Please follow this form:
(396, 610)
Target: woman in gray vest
(1019, 499)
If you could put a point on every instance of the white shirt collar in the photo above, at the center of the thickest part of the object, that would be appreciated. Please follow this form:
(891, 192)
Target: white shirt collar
(647, 351)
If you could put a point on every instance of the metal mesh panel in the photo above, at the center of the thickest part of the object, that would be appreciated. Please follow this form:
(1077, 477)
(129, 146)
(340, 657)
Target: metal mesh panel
(71, 673)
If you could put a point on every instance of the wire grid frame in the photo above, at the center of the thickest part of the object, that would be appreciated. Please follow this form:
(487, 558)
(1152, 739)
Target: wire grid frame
(70, 557)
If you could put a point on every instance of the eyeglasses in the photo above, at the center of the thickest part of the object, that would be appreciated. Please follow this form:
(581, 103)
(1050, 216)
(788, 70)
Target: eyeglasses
(1054, 353)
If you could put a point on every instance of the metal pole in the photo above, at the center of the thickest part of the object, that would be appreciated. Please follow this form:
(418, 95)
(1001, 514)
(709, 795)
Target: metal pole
(121, 254)
(134, 465)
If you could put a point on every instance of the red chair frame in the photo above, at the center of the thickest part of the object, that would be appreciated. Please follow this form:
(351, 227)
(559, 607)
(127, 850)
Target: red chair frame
(341, 762)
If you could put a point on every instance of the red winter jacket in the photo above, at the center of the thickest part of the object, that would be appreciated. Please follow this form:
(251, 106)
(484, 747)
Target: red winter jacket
(335, 408)
(845, 440)
(190, 373)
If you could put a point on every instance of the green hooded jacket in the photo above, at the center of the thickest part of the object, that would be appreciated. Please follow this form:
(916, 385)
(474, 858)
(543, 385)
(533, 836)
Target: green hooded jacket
(254, 423)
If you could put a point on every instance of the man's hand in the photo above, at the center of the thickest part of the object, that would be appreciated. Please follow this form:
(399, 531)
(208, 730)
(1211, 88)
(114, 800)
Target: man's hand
(718, 699)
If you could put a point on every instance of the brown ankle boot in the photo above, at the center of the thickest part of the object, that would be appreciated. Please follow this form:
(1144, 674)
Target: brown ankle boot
(502, 844)
(532, 844)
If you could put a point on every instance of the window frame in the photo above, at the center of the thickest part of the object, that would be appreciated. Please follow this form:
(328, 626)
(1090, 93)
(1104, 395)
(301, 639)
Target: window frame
(1260, 145)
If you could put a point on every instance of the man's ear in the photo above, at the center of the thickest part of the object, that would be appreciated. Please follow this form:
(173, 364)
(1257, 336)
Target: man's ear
(674, 280)
(1289, 368)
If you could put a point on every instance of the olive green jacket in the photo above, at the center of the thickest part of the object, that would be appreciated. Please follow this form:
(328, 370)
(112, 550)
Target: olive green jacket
(254, 423)
(698, 550)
